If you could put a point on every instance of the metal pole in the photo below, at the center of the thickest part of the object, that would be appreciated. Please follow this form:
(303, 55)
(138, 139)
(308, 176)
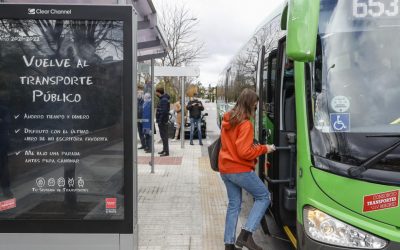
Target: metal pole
(152, 116)
(183, 108)
(135, 190)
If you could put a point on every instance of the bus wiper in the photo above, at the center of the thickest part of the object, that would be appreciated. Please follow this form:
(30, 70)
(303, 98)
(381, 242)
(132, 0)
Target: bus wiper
(358, 170)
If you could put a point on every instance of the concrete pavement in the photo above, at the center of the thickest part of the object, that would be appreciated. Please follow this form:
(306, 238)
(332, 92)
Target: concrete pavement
(183, 204)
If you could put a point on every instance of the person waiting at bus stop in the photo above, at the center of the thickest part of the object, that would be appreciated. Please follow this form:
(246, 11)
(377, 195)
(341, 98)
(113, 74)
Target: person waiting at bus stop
(162, 116)
(140, 117)
(178, 111)
(146, 121)
(236, 162)
(195, 106)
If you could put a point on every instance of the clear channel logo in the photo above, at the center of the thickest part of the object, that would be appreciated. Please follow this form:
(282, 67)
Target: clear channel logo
(34, 11)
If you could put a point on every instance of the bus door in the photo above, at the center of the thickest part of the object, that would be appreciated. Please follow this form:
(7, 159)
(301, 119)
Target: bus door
(268, 97)
(269, 102)
(260, 130)
(281, 176)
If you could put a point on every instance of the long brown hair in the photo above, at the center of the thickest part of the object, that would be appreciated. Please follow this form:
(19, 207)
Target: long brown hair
(244, 108)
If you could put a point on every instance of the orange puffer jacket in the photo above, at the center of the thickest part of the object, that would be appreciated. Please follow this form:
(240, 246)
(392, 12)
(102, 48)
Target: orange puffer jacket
(238, 152)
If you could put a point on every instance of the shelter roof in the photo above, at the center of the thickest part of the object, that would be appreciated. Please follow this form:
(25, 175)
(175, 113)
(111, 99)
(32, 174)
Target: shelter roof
(151, 42)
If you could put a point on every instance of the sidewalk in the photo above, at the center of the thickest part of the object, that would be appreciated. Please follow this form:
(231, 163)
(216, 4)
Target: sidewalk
(183, 204)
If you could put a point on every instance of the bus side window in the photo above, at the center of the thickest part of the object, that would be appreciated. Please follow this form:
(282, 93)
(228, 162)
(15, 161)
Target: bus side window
(288, 97)
(271, 83)
(318, 68)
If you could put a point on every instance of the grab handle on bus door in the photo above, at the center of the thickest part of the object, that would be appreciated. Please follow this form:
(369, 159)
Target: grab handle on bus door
(271, 181)
(292, 149)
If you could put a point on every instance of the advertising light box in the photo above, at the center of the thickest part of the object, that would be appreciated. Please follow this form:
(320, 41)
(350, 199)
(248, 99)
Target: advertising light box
(65, 119)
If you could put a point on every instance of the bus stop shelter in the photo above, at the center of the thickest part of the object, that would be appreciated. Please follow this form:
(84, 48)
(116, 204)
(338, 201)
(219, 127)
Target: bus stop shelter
(71, 159)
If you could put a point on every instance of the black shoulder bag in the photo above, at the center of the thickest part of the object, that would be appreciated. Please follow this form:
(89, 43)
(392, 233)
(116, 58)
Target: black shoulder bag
(213, 153)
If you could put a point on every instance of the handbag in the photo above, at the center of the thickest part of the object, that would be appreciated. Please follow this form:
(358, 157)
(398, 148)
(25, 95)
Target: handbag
(213, 153)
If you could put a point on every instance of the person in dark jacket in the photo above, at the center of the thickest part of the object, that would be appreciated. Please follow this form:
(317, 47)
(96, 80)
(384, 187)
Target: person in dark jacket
(162, 116)
(147, 122)
(140, 117)
(195, 107)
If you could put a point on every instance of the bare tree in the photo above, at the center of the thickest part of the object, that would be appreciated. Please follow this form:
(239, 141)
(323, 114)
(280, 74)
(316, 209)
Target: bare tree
(179, 26)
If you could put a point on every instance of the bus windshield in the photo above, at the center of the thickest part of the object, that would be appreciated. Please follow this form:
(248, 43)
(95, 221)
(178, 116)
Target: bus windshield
(357, 79)
(360, 73)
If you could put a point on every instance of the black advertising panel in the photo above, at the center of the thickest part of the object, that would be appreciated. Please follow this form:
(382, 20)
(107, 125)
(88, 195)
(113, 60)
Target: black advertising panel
(65, 119)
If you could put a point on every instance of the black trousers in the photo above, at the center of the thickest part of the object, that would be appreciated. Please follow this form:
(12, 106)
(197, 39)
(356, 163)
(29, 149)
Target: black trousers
(163, 128)
(141, 134)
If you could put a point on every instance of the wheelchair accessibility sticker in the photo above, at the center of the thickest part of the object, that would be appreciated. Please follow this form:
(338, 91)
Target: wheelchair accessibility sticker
(340, 122)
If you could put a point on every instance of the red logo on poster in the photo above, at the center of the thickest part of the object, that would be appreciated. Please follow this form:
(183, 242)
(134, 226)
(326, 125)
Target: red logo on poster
(111, 203)
(8, 204)
(381, 201)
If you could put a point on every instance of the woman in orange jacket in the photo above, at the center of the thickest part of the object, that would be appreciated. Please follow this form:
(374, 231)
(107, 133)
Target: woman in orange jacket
(236, 162)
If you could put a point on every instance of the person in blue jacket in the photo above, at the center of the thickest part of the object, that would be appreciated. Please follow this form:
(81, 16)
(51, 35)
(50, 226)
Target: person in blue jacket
(146, 124)
(162, 117)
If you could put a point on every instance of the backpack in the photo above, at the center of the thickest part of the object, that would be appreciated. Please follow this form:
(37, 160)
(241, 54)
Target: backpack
(213, 153)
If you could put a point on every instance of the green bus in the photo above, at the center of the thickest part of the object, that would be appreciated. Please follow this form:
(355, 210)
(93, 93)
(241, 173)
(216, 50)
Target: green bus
(328, 77)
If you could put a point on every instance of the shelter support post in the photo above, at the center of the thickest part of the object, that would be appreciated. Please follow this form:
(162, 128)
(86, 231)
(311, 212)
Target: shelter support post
(152, 115)
(182, 112)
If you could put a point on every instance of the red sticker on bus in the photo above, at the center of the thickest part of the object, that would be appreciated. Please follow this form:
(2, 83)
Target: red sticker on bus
(8, 204)
(111, 203)
(381, 201)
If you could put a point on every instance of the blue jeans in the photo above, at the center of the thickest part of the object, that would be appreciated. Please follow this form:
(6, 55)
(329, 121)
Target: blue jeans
(195, 122)
(250, 182)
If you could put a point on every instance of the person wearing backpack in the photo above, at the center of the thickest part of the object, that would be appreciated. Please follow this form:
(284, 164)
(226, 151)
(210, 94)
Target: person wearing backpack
(236, 161)
(195, 106)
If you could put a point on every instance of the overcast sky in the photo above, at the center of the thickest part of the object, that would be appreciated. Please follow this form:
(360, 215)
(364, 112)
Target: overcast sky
(224, 26)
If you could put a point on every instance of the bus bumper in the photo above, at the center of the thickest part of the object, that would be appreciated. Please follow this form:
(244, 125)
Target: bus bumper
(306, 243)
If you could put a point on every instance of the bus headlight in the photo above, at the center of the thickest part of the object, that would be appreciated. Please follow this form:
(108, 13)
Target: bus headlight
(321, 227)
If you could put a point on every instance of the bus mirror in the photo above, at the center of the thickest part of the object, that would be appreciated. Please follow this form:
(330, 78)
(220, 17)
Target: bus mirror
(284, 18)
(302, 29)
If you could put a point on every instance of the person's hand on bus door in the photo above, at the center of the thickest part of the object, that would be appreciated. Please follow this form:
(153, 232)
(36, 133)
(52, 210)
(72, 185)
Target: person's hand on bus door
(271, 148)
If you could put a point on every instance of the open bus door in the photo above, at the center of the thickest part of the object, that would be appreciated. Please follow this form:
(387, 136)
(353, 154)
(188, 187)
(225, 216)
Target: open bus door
(281, 176)
(260, 130)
